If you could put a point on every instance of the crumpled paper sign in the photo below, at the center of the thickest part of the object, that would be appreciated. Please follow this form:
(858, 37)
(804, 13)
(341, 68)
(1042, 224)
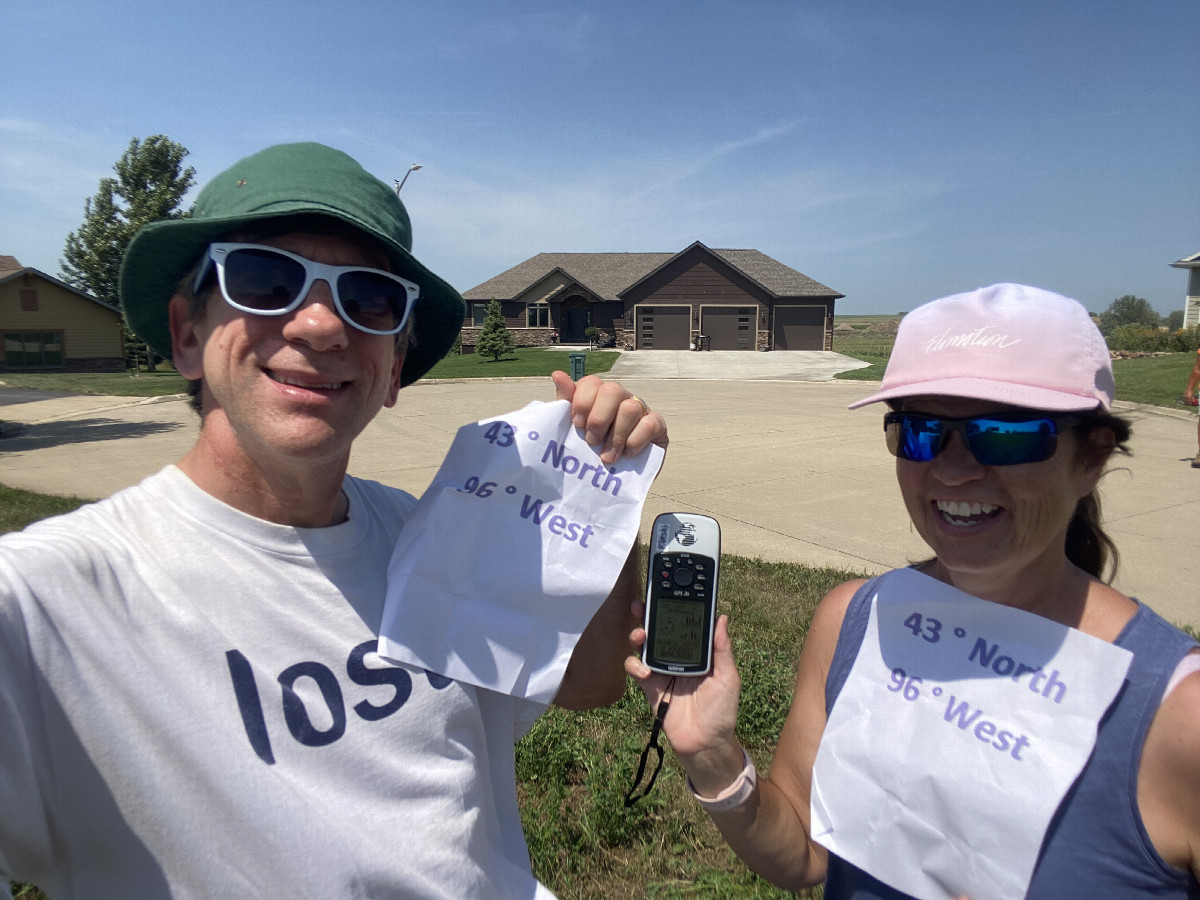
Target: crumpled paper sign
(511, 550)
(959, 730)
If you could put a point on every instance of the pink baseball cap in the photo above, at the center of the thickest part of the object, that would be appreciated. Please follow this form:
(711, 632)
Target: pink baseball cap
(1009, 343)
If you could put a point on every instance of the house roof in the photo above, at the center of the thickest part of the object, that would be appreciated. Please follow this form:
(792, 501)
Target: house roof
(9, 274)
(605, 274)
(609, 275)
(1188, 262)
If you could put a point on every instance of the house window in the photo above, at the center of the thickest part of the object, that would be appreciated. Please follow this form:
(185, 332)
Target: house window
(538, 315)
(647, 341)
(33, 350)
(29, 300)
(478, 313)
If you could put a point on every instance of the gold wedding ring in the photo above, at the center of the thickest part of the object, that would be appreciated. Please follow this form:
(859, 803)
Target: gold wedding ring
(645, 408)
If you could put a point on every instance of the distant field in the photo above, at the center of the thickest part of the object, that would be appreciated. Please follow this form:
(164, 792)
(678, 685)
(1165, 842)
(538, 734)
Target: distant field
(869, 341)
(864, 343)
(866, 319)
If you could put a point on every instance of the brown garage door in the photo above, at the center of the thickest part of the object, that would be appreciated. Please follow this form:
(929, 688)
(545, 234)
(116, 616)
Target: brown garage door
(664, 327)
(799, 328)
(728, 327)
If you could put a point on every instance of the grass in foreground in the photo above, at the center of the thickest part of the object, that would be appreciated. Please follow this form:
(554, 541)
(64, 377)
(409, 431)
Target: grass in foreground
(20, 508)
(573, 769)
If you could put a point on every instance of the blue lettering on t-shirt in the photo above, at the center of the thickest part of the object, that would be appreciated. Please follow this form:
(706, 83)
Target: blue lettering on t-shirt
(297, 715)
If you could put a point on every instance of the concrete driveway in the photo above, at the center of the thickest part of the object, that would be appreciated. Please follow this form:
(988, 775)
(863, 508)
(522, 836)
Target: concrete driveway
(734, 365)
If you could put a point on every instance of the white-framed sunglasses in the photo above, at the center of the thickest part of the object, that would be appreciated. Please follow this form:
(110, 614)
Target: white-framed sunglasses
(267, 281)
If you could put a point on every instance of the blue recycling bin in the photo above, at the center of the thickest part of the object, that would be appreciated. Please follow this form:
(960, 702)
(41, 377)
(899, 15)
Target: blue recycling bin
(578, 365)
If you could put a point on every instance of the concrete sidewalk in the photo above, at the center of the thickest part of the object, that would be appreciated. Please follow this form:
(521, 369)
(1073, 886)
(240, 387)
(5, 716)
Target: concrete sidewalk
(790, 473)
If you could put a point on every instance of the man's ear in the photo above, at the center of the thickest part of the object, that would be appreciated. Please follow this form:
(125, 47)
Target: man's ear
(394, 385)
(187, 349)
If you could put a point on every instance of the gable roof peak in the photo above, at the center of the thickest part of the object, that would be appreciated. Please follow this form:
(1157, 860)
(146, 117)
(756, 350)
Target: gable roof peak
(611, 275)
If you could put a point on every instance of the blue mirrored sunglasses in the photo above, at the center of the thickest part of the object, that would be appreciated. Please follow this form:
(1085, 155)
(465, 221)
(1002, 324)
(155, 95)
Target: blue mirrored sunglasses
(1001, 440)
(267, 281)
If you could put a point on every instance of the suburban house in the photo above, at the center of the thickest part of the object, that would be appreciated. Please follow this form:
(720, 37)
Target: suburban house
(47, 324)
(1191, 305)
(700, 297)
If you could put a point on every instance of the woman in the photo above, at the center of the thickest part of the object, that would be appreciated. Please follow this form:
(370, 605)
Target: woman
(1000, 421)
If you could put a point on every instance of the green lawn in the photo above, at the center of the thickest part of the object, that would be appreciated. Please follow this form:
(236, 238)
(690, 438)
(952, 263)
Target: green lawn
(521, 364)
(19, 508)
(872, 347)
(117, 384)
(873, 372)
(1157, 380)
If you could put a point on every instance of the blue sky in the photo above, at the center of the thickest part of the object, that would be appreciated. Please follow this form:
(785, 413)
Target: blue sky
(895, 151)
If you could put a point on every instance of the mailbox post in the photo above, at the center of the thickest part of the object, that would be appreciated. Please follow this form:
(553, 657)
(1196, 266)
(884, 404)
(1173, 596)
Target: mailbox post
(578, 365)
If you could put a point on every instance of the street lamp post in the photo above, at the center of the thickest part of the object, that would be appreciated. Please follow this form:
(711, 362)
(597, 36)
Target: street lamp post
(400, 183)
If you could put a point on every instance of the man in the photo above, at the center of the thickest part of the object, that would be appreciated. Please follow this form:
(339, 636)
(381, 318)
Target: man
(190, 701)
(1189, 399)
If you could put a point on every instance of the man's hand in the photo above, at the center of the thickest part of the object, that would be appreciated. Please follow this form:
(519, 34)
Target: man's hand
(619, 423)
(611, 417)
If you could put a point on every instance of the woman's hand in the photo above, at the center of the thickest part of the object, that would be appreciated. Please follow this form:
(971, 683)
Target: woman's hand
(702, 717)
(611, 417)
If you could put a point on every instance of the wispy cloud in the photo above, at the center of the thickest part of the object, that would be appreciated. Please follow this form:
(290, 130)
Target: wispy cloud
(698, 163)
(46, 173)
(470, 230)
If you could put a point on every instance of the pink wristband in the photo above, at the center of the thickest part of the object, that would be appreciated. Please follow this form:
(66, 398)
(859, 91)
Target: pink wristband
(736, 794)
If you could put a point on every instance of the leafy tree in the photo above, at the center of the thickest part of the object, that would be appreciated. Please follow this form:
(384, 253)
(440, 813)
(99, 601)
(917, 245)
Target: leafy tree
(495, 340)
(150, 184)
(1174, 320)
(1129, 310)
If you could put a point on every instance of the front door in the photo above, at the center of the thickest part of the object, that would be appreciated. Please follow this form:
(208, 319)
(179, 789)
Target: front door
(575, 323)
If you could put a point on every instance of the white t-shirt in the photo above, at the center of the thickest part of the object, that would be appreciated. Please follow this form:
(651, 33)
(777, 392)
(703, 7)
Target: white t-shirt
(191, 706)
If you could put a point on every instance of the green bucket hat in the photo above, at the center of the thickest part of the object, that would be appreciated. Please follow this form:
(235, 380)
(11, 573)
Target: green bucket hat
(282, 181)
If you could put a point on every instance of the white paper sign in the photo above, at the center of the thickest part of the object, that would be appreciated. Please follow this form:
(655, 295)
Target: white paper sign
(959, 730)
(511, 550)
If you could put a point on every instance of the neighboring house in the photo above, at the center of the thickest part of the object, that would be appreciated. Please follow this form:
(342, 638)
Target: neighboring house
(720, 299)
(45, 324)
(1191, 305)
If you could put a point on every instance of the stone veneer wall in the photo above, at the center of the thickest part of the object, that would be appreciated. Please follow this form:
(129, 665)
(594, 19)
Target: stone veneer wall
(522, 337)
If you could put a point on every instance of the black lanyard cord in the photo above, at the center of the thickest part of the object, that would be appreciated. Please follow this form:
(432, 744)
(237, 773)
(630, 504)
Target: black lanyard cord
(663, 705)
